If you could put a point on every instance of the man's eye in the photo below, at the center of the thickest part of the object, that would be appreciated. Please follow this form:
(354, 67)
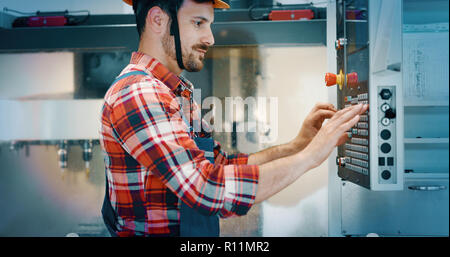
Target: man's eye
(197, 23)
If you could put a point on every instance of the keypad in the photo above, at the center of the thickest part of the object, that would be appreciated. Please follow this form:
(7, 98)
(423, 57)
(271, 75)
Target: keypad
(359, 141)
(363, 125)
(363, 96)
(360, 163)
(359, 148)
(363, 132)
(364, 118)
(357, 169)
(357, 155)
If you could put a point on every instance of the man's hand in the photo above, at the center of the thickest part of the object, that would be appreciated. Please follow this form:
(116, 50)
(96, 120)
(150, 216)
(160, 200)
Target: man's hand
(279, 173)
(312, 124)
(333, 133)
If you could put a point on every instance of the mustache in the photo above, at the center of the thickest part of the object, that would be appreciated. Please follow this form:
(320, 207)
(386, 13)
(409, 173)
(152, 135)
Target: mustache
(201, 46)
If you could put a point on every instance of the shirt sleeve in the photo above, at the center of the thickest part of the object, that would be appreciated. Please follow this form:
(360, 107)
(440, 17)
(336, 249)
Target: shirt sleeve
(220, 156)
(224, 158)
(147, 121)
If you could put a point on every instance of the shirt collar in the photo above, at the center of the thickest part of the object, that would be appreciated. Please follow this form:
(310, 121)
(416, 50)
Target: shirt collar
(159, 71)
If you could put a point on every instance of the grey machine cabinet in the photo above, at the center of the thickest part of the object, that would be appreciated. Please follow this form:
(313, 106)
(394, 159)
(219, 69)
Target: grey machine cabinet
(392, 175)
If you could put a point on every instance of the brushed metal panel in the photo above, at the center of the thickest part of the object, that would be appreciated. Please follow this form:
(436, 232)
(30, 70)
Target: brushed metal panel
(396, 213)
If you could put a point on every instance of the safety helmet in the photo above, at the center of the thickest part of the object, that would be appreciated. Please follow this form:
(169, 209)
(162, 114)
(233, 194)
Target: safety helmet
(174, 30)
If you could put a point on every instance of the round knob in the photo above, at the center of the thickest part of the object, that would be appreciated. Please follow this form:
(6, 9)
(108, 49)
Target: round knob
(385, 107)
(385, 134)
(385, 121)
(386, 174)
(385, 94)
(385, 148)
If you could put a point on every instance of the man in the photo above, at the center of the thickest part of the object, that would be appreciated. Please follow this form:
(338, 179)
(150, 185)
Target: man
(163, 178)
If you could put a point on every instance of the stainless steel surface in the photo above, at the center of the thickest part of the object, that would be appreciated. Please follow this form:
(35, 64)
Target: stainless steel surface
(235, 73)
(270, 32)
(123, 37)
(397, 213)
(385, 48)
(38, 200)
(334, 182)
(248, 3)
(49, 119)
(93, 38)
(273, 71)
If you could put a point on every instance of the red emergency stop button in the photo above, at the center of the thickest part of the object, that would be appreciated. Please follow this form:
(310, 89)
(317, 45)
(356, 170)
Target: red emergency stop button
(333, 79)
(330, 79)
(352, 79)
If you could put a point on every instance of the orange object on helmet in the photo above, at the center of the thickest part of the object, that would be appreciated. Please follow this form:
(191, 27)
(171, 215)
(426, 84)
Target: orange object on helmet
(216, 4)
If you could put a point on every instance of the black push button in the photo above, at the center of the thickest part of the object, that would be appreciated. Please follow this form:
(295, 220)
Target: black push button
(385, 94)
(386, 174)
(389, 113)
(385, 134)
(381, 161)
(390, 161)
(385, 148)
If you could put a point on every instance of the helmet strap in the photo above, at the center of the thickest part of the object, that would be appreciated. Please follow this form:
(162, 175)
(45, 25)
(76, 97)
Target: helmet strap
(175, 31)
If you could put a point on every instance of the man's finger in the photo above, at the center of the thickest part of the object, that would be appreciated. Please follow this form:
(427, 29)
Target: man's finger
(343, 139)
(320, 115)
(350, 114)
(342, 115)
(358, 109)
(325, 106)
(348, 124)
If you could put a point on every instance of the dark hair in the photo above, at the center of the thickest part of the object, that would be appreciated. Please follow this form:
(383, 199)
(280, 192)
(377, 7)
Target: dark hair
(141, 8)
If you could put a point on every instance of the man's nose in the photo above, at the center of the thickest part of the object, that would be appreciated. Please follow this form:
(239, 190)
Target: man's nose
(208, 38)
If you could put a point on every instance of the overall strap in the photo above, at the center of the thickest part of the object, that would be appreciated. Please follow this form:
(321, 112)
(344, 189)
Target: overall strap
(109, 215)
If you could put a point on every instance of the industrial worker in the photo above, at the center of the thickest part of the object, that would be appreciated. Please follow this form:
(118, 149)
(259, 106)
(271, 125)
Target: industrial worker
(163, 178)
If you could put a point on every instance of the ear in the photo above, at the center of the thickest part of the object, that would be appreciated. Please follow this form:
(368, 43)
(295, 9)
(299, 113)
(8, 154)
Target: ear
(156, 20)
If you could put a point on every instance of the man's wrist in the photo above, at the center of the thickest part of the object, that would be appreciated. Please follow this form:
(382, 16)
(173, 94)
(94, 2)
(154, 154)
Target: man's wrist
(296, 146)
(305, 159)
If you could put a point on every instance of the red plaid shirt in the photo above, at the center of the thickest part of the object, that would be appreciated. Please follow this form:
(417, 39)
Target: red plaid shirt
(152, 162)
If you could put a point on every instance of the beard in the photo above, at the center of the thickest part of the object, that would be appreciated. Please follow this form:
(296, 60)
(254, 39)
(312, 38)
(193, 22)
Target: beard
(190, 61)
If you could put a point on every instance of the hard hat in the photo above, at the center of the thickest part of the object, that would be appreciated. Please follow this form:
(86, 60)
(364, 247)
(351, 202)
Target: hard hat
(216, 4)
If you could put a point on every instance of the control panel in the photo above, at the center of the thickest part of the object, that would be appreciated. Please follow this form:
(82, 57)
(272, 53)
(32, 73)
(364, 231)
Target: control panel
(386, 135)
(367, 74)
